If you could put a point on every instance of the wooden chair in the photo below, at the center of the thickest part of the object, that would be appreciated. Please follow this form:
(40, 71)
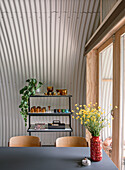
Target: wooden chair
(24, 141)
(71, 141)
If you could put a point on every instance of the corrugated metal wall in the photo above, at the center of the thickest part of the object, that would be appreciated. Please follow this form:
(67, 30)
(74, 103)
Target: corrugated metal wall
(44, 39)
(107, 5)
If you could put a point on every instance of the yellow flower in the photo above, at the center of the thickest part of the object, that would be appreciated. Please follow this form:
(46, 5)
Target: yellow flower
(110, 104)
(98, 115)
(99, 107)
(76, 113)
(72, 110)
(75, 104)
(93, 104)
(101, 122)
(96, 103)
(88, 120)
(77, 117)
(88, 116)
(101, 113)
(112, 118)
(77, 108)
(80, 113)
(89, 105)
(80, 105)
(83, 116)
(85, 122)
(91, 118)
(81, 122)
(73, 117)
(90, 102)
(109, 124)
(116, 107)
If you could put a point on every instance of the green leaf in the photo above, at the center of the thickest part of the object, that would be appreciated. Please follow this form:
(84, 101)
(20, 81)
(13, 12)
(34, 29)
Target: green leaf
(21, 112)
(22, 101)
(34, 81)
(23, 97)
(22, 90)
(25, 103)
(34, 92)
(30, 92)
(22, 109)
(20, 106)
(26, 106)
(29, 87)
(26, 93)
(39, 85)
(28, 80)
(23, 116)
(26, 111)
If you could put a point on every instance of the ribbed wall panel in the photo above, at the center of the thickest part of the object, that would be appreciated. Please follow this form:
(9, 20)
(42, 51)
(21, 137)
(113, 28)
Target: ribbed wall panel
(44, 39)
(107, 5)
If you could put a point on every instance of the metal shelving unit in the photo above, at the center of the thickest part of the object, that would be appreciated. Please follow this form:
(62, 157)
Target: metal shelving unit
(50, 114)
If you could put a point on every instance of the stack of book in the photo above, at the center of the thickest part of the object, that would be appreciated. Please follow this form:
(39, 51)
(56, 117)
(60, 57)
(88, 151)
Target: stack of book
(39, 126)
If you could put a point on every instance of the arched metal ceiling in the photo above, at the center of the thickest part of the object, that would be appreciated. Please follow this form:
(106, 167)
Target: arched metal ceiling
(44, 39)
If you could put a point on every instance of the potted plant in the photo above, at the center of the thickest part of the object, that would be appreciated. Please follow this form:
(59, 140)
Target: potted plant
(26, 92)
(94, 120)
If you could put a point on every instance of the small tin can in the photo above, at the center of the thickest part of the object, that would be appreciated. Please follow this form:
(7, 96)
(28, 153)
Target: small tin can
(50, 93)
(63, 110)
(55, 110)
(66, 110)
(59, 110)
(54, 93)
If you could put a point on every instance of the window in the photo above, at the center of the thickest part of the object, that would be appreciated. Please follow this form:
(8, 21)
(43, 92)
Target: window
(106, 85)
(122, 104)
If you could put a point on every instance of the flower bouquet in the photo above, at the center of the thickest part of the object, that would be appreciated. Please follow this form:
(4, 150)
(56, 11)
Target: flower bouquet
(94, 120)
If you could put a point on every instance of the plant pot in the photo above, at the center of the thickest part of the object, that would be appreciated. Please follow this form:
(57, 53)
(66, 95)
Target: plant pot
(96, 148)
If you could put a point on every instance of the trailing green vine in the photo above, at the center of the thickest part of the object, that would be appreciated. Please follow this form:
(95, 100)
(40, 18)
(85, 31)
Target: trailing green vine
(26, 92)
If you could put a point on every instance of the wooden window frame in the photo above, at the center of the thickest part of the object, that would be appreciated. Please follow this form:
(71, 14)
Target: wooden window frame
(92, 74)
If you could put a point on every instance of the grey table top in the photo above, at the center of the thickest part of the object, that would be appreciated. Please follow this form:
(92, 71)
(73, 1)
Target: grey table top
(50, 158)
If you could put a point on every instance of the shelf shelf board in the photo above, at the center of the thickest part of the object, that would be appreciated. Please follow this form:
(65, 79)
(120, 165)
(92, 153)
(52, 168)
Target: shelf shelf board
(42, 95)
(49, 114)
(51, 130)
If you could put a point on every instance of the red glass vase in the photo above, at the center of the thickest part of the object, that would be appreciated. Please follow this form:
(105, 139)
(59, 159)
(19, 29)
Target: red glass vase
(96, 148)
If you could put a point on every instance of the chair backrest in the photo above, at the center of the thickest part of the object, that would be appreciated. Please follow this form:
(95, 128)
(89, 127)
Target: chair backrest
(24, 141)
(71, 141)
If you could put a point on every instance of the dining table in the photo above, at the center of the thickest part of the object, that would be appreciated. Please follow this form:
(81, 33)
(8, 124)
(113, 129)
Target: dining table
(51, 158)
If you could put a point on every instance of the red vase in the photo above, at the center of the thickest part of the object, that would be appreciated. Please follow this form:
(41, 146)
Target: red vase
(96, 148)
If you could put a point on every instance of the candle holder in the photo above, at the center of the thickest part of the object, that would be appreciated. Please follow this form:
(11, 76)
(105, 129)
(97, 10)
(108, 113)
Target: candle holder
(49, 89)
(49, 108)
